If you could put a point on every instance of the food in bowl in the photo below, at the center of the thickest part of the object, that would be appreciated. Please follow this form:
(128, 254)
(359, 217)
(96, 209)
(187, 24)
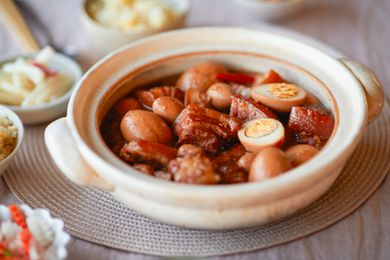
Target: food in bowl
(8, 137)
(211, 125)
(31, 82)
(31, 234)
(132, 15)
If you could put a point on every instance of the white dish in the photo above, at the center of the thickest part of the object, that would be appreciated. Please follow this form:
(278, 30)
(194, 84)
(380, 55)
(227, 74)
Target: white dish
(47, 112)
(4, 111)
(103, 39)
(345, 86)
(270, 10)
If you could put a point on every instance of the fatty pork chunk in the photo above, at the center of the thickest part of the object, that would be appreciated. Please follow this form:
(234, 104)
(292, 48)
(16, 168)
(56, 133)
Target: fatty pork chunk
(147, 97)
(144, 152)
(247, 109)
(226, 165)
(192, 166)
(206, 128)
(311, 125)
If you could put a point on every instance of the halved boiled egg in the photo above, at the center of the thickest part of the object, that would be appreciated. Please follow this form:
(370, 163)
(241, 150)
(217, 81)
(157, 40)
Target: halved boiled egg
(279, 96)
(257, 134)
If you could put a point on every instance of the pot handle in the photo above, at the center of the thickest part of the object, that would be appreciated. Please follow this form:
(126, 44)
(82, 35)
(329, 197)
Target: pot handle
(370, 85)
(67, 157)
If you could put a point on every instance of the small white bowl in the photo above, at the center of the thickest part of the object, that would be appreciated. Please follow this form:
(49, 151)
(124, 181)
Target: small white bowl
(16, 121)
(270, 10)
(32, 115)
(103, 39)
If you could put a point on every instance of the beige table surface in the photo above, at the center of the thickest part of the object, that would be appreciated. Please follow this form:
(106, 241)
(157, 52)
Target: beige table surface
(358, 28)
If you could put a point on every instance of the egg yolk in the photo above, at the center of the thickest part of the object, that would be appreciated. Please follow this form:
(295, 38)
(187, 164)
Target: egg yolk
(261, 128)
(283, 90)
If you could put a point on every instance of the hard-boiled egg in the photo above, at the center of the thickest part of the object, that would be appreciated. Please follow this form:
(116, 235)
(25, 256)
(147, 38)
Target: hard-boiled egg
(269, 163)
(301, 153)
(255, 135)
(279, 96)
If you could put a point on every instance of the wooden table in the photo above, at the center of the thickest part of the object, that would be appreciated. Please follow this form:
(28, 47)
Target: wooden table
(358, 28)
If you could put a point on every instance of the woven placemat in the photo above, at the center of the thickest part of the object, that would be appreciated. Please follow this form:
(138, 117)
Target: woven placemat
(95, 216)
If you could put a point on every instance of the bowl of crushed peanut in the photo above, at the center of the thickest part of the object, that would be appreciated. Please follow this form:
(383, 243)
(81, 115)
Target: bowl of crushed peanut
(11, 136)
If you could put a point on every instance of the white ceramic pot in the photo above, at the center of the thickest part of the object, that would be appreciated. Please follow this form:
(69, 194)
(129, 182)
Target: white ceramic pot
(346, 87)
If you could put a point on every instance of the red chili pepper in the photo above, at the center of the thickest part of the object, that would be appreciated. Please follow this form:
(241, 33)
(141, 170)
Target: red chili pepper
(272, 77)
(18, 216)
(239, 78)
(46, 70)
(25, 238)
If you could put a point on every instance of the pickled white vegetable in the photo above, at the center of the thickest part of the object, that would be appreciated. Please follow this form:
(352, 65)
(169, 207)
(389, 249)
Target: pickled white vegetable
(130, 15)
(31, 82)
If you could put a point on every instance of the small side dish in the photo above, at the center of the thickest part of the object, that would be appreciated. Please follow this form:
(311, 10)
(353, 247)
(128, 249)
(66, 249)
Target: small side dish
(8, 137)
(111, 24)
(31, 234)
(31, 82)
(211, 125)
(132, 15)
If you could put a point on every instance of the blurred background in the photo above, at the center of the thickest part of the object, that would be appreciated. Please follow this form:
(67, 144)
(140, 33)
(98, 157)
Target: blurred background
(358, 28)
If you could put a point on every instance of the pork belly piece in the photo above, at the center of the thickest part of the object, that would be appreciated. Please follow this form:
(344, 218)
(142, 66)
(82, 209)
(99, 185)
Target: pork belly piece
(154, 154)
(226, 165)
(194, 168)
(311, 125)
(232, 155)
(206, 128)
(147, 97)
(247, 109)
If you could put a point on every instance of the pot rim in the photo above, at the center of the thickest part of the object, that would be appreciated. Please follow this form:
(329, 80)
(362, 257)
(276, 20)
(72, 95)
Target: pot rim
(294, 176)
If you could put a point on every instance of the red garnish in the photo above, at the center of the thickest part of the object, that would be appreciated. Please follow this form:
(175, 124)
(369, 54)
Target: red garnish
(272, 77)
(18, 216)
(19, 219)
(239, 78)
(46, 70)
(25, 237)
